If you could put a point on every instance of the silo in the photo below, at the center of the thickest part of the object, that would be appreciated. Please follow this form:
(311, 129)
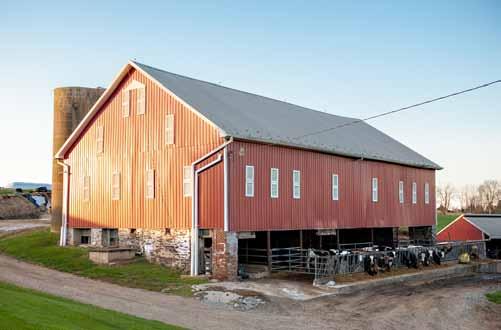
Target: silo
(71, 104)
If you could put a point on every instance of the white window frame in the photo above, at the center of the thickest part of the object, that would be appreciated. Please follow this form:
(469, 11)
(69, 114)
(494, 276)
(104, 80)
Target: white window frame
(296, 184)
(126, 103)
(100, 139)
(414, 193)
(427, 193)
(249, 181)
(274, 182)
(375, 190)
(150, 184)
(86, 188)
(141, 100)
(335, 187)
(116, 186)
(169, 129)
(401, 193)
(187, 181)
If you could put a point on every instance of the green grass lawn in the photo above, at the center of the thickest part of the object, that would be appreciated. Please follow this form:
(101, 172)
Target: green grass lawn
(444, 219)
(27, 309)
(40, 247)
(495, 297)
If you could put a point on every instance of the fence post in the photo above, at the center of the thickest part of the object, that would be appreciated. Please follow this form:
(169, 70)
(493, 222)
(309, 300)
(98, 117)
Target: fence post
(268, 249)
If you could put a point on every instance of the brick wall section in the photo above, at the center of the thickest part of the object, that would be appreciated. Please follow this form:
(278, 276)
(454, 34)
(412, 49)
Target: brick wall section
(170, 248)
(225, 255)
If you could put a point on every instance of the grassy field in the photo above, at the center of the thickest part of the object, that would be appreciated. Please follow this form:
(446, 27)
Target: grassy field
(27, 309)
(6, 191)
(444, 219)
(495, 297)
(40, 247)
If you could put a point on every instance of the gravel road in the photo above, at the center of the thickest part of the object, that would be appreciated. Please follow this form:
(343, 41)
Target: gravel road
(452, 304)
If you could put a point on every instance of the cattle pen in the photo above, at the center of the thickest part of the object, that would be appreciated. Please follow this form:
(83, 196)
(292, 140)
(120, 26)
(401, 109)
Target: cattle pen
(323, 265)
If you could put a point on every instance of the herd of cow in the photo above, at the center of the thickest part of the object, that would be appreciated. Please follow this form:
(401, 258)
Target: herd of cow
(379, 259)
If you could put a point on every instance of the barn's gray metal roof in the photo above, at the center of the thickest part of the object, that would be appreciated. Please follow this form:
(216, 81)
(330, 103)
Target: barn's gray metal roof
(488, 223)
(252, 117)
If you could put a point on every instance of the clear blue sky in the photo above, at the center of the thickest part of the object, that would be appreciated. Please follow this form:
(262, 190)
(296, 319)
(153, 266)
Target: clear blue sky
(350, 58)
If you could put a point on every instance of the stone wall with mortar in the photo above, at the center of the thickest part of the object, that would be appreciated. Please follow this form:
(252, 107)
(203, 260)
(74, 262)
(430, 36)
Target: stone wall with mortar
(166, 247)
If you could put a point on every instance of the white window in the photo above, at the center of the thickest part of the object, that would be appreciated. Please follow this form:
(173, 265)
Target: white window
(401, 192)
(296, 184)
(150, 184)
(125, 103)
(169, 129)
(414, 193)
(187, 181)
(426, 193)
(100, 139)
(249, 181)
(115, 186)
(374, 190)
(274, 183)
(86, 188)
(141, 101)
(335, 187)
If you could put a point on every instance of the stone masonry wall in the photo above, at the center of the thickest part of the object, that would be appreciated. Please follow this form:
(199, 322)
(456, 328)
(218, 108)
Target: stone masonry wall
(166, 247)
(225, 255)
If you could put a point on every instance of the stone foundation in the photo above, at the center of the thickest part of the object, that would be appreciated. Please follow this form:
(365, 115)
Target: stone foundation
(166, 247)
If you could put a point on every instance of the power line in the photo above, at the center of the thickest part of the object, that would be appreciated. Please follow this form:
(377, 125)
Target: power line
(400, 109)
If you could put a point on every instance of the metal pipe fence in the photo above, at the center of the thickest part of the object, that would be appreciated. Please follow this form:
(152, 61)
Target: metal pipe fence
(323, 264)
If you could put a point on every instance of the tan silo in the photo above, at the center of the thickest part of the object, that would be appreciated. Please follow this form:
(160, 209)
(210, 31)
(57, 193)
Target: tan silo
(71, 104)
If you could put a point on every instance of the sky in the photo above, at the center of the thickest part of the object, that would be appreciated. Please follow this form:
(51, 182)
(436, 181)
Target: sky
(347, 58)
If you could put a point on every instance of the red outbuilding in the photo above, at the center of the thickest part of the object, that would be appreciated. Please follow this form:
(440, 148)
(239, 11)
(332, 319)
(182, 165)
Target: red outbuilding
(196, 175)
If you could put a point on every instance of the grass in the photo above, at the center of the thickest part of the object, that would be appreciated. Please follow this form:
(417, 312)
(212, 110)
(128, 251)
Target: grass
(444, 219)
(28, 309)
(494, 297)
(40, 247)
(6, 191)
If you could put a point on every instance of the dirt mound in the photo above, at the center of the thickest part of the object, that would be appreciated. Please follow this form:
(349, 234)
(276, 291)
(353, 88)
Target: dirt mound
(17, 207)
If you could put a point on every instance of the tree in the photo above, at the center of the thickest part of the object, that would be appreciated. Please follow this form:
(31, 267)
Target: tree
(444, 194)
(470, 198)
(490, 192)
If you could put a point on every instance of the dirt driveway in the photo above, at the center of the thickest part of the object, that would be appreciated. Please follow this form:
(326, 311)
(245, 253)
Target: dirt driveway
(453, 304)
(8, 227)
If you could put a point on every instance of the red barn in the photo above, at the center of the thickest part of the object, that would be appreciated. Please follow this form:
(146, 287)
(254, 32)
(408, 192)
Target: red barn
(188, 171)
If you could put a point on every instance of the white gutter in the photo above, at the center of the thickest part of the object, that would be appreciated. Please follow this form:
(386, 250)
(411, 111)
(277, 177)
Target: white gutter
(225, 190)
(64, 213)
(194, 204)
(194, 231)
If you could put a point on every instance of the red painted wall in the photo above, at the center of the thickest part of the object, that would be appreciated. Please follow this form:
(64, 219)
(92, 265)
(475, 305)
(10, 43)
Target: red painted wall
(460, 230)
(316, 209)
(131, 145)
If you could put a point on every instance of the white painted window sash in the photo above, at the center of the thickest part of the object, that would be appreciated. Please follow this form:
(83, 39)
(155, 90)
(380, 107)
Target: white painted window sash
(187, 181)
(100, 139)
(414, 193)
(86, 188)
(169, 129)
(296, 184)
(150, 184)
(115, 186)
(375, 192)
(426, 193)
(335, 187)
(126, 103)
(401, 192)
(249, 181)
(141, 100)
(274, 177)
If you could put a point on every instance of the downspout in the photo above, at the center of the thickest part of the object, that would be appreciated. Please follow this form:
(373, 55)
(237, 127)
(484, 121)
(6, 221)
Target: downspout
(194, 204)
(64, 213)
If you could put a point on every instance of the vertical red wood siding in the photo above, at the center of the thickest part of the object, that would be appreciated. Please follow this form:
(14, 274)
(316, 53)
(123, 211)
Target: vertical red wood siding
(316, 209)
(131, 146)
(460, 230)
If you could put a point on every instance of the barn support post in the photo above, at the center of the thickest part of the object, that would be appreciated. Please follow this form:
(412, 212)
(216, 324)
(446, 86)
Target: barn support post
(372, 236)
(337, 238)
(301, 239)
(268, 249)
